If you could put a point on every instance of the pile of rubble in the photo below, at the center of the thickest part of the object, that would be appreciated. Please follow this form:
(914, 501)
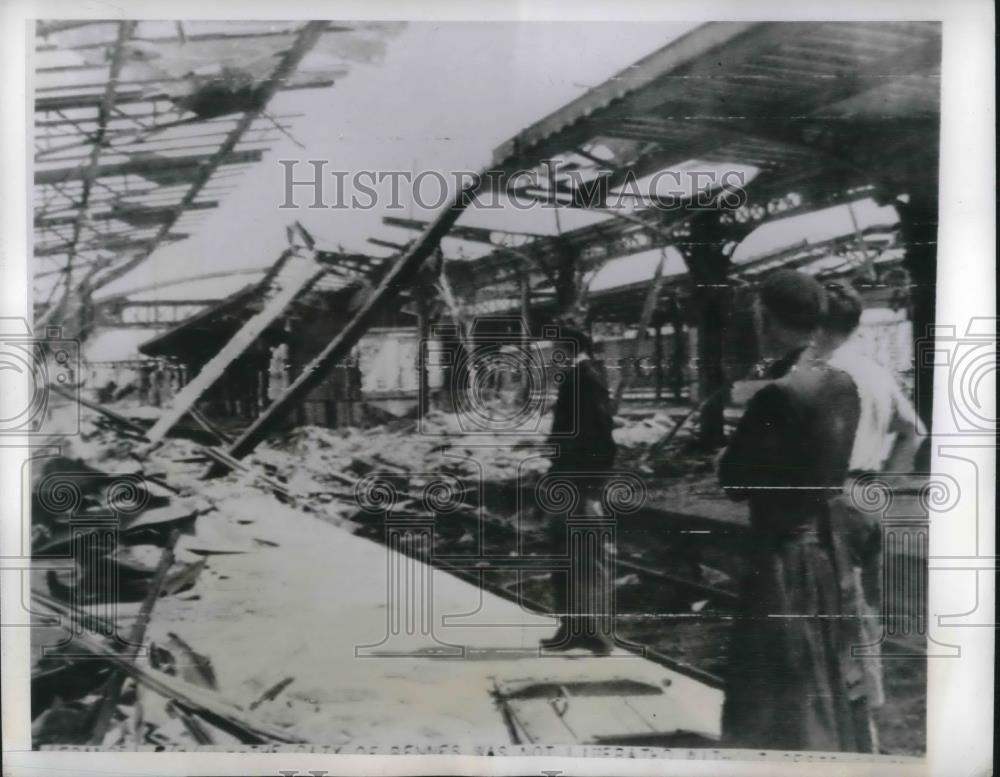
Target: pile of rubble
(660, 444)
(100, 580)
(312, 458)
(110, 539)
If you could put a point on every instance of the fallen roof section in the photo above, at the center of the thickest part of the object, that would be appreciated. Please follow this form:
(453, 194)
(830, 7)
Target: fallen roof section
(140, 125)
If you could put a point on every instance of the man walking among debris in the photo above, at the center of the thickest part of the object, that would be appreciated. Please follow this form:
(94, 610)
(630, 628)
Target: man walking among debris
(791, 684)
(582, 425)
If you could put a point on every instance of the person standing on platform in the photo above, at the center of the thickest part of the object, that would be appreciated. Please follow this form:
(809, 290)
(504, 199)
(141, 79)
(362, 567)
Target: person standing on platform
(582, 426)
(889, 435)
(277, 372)
(889, 431)
(790, 682)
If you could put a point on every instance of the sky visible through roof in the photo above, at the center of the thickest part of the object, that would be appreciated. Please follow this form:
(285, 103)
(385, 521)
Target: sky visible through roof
(444, 97)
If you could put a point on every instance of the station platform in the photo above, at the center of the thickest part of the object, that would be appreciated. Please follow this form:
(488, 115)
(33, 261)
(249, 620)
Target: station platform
(289, 595)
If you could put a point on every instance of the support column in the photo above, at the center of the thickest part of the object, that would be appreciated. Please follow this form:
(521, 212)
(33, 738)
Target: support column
(423, 332)
(679, 352)
(708, 266)
(567, 291)
(919, 228)
(525, 289)
(658, 358)
(645, 319)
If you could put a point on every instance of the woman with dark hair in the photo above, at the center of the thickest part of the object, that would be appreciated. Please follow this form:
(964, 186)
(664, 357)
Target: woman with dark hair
(889, 435)
(889, 430)
(791, 684)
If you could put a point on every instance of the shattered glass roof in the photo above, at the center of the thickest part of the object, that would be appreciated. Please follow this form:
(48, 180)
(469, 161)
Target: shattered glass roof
(142, 127)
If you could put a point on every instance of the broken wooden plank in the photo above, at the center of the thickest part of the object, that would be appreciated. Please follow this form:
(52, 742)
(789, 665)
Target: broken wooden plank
(445, 290)
(136, 634)
(108, 413)
(194, 726)
(208, 426)
(657, 446)
(300, 271)
(272, 692)
(223, 459)
(399, 277)
(211, 705)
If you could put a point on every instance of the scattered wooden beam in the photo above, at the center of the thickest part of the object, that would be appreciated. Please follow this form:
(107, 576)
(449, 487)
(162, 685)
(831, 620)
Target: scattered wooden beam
(222, 460)
(399, 277)
(118, 418)
(298, 274)
(375, 241)
(136, 635)
(210, 704)
(197, 731)
(208, 426)
(272, 692)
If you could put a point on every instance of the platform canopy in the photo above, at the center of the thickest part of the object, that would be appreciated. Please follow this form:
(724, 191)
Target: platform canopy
(809, 114)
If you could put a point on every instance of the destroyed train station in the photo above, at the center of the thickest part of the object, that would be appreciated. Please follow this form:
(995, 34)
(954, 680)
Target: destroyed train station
(393, 402)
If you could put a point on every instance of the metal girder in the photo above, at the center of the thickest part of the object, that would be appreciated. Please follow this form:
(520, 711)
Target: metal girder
(458, 232)
(569, 126)
(133, 214)
(176, 282)
(112, 245)
(246, 37)
(72, 101)
(305, 39)
(388, 244)
(90, 172)
(164, 165)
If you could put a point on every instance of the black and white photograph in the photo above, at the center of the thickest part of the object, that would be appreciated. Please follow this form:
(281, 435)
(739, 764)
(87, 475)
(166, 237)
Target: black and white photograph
(494, 387)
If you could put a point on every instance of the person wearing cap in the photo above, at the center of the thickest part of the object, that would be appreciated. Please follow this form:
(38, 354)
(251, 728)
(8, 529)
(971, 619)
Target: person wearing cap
(791, 684)
(582, 434)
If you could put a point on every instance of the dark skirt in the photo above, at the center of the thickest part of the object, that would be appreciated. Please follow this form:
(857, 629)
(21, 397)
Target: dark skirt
(791, 684)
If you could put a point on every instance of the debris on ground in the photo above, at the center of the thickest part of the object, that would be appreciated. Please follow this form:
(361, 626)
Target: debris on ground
(177, 694)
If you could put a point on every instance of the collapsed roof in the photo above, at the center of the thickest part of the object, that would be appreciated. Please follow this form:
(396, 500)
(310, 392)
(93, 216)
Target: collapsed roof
(143, 126)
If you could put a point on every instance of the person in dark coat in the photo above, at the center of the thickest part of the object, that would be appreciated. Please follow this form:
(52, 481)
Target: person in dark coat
(791, 683)
(582, 426)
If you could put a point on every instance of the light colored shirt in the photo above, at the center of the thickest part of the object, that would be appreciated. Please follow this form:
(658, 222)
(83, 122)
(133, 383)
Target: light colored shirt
(883, 407)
